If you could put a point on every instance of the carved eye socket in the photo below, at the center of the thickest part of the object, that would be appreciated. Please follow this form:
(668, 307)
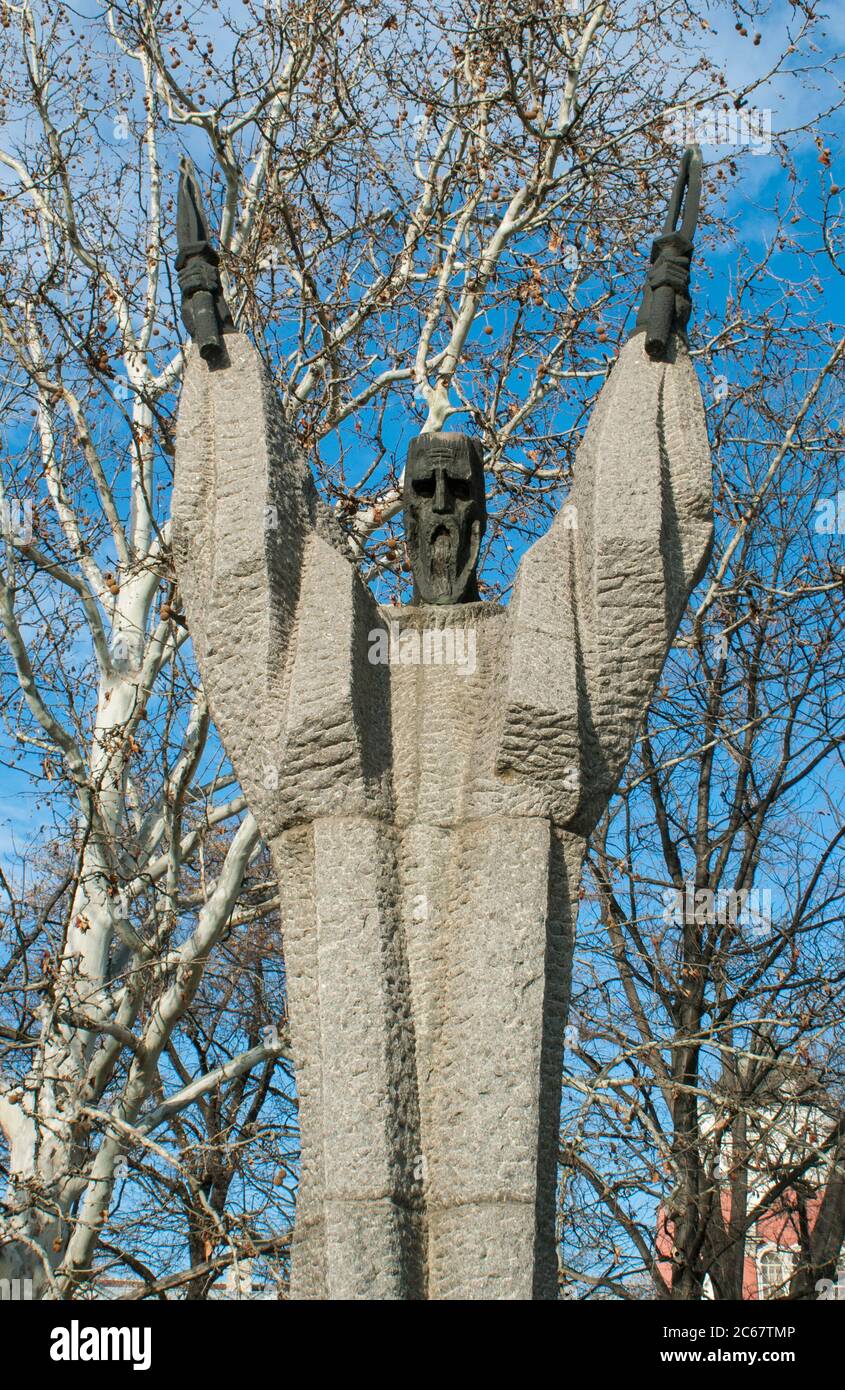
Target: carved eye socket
(424, 487)
(461, 488)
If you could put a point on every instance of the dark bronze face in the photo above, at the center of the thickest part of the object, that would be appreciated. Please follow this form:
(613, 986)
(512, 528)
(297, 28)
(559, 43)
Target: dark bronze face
(445, 516)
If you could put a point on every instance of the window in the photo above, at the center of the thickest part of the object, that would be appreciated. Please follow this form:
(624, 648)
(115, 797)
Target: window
(774, 1268)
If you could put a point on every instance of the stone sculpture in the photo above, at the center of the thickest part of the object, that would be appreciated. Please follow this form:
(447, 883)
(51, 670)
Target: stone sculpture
(427, 814)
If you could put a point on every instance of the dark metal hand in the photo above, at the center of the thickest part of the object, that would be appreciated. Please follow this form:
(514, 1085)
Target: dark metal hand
(666, 305)
(205, 312)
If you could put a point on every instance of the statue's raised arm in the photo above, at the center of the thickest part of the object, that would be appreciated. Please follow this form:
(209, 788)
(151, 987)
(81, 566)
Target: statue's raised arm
(614, 573)
(257, 555)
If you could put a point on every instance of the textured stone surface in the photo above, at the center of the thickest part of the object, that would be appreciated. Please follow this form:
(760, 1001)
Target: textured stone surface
(427, 817)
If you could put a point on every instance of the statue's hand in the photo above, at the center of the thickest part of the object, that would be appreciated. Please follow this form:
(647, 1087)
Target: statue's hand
(666, 305)
(671, 258)
(199, 275)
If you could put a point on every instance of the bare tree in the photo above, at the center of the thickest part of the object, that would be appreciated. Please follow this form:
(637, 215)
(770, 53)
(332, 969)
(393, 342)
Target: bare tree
(424, 216)
(706, 1073)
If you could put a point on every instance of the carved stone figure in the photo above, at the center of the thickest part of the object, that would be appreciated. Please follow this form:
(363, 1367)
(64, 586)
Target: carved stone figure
(426, 778)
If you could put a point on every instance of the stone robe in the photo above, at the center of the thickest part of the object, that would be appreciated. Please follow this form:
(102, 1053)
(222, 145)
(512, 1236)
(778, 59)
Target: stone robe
(427, 818)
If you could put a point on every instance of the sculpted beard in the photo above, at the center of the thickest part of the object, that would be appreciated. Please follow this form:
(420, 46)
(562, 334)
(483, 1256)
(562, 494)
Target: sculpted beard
(445, 517)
